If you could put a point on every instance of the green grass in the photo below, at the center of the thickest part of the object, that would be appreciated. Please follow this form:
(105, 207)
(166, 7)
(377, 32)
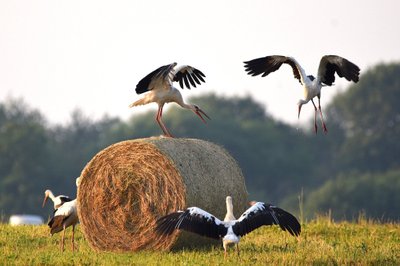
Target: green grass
(321, 243)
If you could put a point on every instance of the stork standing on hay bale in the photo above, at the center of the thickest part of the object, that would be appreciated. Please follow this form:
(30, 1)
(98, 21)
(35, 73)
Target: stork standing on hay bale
(328, 66)
(160, 90)
(198, 221)
(57, 200)
(64, 217)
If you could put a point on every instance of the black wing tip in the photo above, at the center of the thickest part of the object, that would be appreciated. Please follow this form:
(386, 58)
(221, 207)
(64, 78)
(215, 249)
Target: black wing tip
(189, 79)
(166, 224)
(288, 222)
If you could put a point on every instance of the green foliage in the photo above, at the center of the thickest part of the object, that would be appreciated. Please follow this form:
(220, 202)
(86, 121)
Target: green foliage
(362, 243)
(376, 195)
(23, 153)
(369, 115)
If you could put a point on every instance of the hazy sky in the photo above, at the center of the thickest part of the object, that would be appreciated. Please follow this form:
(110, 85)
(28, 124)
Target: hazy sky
(60, 55)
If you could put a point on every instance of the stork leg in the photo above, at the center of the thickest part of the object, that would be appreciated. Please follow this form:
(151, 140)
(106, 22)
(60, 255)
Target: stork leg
(160, 122)
(73, 238)
(315, 117)
(225, 253)
(62, 239)
(320, 112)
(237, 250)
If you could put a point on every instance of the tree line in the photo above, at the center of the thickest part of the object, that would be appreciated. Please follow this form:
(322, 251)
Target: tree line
(352, 169)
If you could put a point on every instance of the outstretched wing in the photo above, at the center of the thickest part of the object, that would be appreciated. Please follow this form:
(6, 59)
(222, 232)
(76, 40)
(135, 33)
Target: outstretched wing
(153, 79)
(331, 64)
(268, 64)
(194, 220)
(188, 74)
(265, 214)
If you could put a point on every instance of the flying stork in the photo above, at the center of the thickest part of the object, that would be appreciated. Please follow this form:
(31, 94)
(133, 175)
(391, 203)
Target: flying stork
(230, 230)
(64, 217)
(328, 66)
(57, 200)
(160, 89)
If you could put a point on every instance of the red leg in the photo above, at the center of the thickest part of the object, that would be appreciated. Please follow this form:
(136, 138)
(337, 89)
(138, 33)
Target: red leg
(62, 239)
(315, 117)
(322, 117)
(160, 123)
(73, 238)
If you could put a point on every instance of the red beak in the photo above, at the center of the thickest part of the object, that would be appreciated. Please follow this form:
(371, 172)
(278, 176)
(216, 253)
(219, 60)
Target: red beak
(200, 114)
(44, 200)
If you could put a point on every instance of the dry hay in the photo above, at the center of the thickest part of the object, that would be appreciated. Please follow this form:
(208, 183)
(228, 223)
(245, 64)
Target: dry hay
(126, 187)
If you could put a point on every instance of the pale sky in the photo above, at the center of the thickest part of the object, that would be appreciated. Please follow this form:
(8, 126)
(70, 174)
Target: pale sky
(63, 55)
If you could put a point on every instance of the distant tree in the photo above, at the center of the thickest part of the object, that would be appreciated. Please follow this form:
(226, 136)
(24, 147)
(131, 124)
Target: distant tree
(73, 145)
(377, 195)
(23, 155)
(369, 115)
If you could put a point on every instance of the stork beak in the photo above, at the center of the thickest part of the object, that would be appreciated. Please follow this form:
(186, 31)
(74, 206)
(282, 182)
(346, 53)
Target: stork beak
(298, 115)
(44, 200)
(200, 114)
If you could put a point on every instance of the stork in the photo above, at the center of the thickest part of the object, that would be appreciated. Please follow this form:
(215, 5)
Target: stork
(57, 200)
(159, 88)
(230, 230)
(64, 217)
(328, 66)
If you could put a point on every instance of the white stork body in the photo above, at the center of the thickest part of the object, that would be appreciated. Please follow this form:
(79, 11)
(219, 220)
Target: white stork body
(64, 217)
(57, 200)
(160, 90)
(328, 66)
(230, 230)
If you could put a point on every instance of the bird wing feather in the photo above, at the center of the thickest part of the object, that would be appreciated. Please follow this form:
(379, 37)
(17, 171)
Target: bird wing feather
(161, 74)
(331, 64)
(187, 75)
(268, 64)
(265, 214)
(65, 198)
(194, 220)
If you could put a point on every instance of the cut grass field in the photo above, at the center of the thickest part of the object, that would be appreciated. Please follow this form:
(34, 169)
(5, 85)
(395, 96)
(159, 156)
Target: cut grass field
(321, 242)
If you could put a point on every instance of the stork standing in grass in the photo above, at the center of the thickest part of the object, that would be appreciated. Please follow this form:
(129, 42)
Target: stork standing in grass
(230, 230)
(65, 216)
(328, 66)
(57, 200)
(159, 88)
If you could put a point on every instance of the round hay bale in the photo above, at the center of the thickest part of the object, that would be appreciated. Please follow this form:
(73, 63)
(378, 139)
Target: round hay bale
(126, 187)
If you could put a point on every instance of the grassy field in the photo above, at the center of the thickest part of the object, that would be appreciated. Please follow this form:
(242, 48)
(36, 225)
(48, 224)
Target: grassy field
(321, 242)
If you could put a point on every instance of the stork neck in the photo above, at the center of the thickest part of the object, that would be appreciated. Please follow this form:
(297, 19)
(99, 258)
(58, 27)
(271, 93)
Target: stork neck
(229, 211)
(177, 98)
(51, 195)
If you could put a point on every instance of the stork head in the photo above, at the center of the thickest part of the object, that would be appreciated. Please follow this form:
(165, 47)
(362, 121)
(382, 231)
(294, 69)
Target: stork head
(46, 195)
(229, 200)
(200, 113)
